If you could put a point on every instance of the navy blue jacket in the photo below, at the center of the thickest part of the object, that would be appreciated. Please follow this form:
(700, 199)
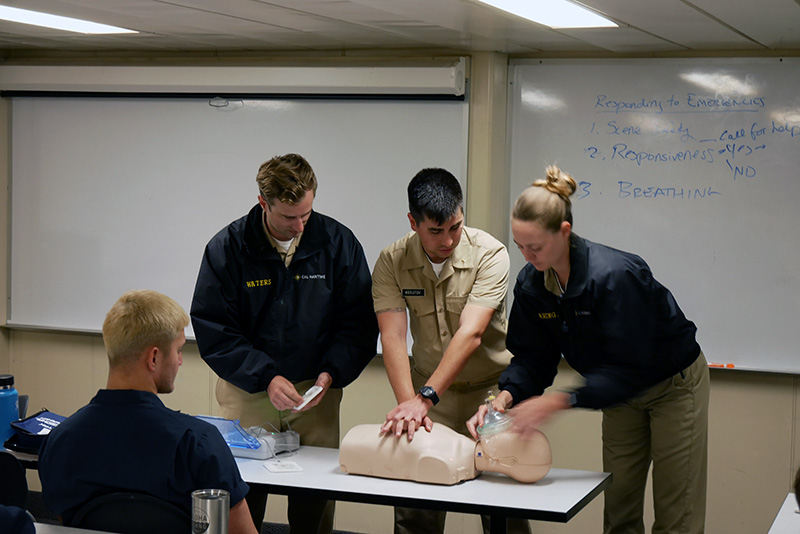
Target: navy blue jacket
(615, 325)
(254, 318)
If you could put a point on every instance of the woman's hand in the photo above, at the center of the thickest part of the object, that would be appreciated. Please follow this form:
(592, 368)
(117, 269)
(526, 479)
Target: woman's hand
(499, 403)
(528, 415)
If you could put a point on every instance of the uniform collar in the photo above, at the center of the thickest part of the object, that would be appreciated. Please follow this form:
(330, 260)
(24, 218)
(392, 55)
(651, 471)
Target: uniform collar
(126, 396)
(259, 245)
(578, 265)
(461, 258)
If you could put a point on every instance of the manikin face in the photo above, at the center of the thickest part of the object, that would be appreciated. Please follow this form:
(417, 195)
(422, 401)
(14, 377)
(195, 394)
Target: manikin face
(286, 221)
(439, 240)
(525, 460)
(540, 247)
(168, 362)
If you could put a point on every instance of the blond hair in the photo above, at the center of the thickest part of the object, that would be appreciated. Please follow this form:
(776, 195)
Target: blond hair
(138, 320)
(547, 201)
(286, 178)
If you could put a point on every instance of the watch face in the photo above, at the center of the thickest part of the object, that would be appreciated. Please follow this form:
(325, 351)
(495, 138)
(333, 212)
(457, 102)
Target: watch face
(429, 393)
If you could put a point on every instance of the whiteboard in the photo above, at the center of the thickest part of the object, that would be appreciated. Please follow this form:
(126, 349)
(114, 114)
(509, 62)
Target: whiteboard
(694, 164)
(112, 194)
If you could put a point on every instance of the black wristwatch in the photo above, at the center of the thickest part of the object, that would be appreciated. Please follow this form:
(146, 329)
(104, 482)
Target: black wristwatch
(429, 393)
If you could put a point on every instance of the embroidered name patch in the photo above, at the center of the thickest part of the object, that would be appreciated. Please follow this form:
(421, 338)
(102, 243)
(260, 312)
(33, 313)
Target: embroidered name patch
(414, 292)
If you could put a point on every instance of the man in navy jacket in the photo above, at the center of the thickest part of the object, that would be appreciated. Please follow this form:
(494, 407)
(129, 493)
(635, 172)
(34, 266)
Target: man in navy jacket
(283, 303)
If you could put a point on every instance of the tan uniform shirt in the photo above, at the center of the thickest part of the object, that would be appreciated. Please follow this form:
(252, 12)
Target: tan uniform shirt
(476, 273)
(286, 255)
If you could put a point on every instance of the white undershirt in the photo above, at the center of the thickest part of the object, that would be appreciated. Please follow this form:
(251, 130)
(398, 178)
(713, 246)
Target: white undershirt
(284, 244)
(437, 267)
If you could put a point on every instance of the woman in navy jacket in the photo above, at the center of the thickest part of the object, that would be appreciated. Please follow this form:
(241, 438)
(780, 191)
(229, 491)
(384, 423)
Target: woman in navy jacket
(624, 333)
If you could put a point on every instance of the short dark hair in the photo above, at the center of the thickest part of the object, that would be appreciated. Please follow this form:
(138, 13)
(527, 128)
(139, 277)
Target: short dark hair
(434, 194)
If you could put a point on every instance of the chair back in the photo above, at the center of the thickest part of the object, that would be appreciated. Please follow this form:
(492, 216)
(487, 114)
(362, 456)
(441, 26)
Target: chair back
(14, 488)
(132, 513)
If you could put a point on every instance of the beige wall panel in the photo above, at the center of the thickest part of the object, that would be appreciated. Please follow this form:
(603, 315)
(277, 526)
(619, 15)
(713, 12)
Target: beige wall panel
(5, 354)
(368, 399)
(751, 433)
(193, 393)
(487, 184)
(56, 370)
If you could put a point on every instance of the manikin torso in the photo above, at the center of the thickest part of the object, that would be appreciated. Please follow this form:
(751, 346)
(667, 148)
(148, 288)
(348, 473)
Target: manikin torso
(443, 456)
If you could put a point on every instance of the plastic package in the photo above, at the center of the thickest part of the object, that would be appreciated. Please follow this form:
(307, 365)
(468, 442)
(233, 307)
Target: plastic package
(255, 442)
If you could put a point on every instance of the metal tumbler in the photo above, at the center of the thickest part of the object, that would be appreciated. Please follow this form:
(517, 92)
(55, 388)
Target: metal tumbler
(210, 511)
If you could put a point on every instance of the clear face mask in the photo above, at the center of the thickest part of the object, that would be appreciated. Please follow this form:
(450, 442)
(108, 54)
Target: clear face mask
(494, 423)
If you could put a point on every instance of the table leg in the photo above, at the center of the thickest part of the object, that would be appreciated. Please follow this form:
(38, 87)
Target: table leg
(498, 524)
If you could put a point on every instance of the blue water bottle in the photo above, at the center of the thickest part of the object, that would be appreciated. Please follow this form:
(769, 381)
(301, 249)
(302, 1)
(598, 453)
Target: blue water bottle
(9, 407)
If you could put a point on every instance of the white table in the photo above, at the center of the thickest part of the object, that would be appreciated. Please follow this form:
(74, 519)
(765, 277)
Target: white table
(788, 520)
(557, 497)
(44, 528)
(28, 461)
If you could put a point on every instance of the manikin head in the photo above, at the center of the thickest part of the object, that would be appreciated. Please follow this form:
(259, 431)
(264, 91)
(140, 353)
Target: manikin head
(525, 460)
(443, 456)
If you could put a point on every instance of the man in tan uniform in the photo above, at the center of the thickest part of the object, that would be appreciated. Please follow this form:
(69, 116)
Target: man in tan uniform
(453, 280)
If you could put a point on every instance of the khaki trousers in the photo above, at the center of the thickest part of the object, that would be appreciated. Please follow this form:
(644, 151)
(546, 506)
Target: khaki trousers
(318, 426)
(455, 406)
(668, 426)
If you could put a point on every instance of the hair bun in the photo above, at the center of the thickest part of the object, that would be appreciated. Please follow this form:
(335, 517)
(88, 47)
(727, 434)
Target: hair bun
(558, 182)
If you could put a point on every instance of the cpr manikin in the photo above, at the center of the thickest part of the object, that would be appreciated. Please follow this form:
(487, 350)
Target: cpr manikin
(444, 456)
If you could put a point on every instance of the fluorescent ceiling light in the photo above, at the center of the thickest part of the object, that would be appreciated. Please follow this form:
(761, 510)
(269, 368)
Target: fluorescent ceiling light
(59, 23)
(553, 13)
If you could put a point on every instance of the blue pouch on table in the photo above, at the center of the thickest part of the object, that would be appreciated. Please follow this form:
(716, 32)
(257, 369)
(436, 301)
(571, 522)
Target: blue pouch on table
(240, 442)
(255, 442)
(30, 432)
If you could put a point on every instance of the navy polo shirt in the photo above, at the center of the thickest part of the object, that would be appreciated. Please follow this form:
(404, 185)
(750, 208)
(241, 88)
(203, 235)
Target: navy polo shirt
(128, 440)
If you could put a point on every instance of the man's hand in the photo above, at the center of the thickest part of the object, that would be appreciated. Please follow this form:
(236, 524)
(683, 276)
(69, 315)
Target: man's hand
(407, 417)
(324, 381)
(530, 414)
(282, 394)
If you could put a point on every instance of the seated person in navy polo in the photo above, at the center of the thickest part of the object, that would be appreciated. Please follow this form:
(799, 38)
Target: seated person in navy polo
(125, 439)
